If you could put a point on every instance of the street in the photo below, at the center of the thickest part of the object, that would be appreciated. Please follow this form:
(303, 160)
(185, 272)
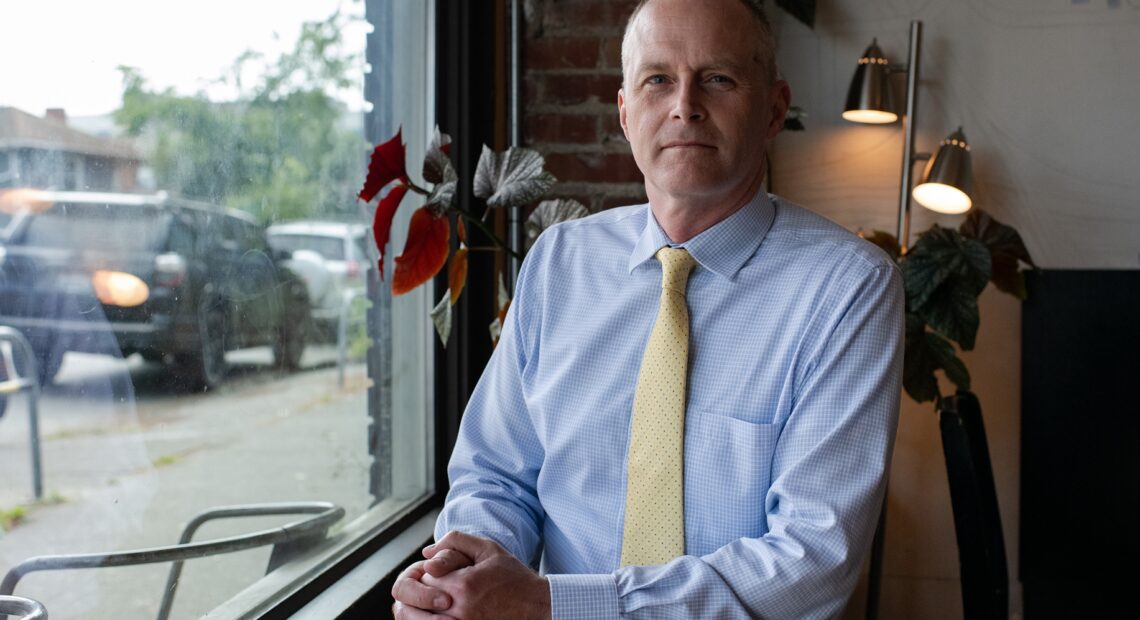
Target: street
(128, 460)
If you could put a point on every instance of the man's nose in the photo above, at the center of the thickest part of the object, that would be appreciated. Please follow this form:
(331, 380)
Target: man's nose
(687, 105)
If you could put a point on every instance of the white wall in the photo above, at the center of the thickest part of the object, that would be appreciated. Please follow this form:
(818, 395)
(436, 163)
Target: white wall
(1048, 93)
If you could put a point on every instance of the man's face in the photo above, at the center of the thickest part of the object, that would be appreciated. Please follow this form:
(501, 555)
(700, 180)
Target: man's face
(696, 105)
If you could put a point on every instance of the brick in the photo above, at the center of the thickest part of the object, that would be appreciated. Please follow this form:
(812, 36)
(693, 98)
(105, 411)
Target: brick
(570, 89)
(562, 128)
(611, 52)
(611, 127)
(609, 202)
(561, 53)
(607, 15)
(531, 89)
(594, 167)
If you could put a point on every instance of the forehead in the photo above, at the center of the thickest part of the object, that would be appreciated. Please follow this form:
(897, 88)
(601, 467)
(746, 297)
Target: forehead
(693, 33)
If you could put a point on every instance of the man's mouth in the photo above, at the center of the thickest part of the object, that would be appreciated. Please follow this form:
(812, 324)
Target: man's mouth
(687, 144)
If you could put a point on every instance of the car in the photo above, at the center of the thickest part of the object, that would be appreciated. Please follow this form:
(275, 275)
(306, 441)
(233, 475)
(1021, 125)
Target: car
(333, 259)
(174, 280)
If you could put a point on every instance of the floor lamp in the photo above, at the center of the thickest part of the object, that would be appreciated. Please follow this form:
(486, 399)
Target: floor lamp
(945, 187)
(947, 182)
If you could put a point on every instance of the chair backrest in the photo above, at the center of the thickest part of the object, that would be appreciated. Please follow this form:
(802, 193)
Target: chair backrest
(22, 608)
(977, 522)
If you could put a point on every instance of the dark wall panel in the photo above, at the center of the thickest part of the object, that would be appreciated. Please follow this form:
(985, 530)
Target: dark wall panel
(1080, 481)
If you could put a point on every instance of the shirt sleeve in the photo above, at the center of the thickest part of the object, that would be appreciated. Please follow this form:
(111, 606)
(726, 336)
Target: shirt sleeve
(829, 477)
(495, 463)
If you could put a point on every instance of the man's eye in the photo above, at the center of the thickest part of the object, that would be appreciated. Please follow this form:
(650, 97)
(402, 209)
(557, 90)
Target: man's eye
(655, 79)
(719, 79)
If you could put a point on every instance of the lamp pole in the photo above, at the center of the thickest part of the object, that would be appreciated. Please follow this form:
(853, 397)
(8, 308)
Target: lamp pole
(908, 133)
(874, 578)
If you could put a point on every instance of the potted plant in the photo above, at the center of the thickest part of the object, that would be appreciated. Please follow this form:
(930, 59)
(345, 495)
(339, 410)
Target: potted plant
(514, 178)
(943, 275)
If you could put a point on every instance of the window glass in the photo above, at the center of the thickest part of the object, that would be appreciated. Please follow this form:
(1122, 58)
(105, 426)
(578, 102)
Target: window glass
(94, 227)
(329, 247)
(188, 364)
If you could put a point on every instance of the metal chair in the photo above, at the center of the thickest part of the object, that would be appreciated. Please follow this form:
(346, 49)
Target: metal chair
(26, 607)
(11, 383)
(289, 541)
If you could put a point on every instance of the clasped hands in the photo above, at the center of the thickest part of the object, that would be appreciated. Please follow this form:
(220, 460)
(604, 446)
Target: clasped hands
(468, 577)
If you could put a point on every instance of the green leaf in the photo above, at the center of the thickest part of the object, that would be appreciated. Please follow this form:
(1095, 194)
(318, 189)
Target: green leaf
(953, 311)
(1006, 248)
(919, 363)
(927, 265)
(943, 275)
(511, 179)
(942, 254)
(926, 352)
(947, 360)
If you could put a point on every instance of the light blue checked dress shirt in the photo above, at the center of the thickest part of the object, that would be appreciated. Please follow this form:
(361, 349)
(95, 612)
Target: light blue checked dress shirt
(794, 380)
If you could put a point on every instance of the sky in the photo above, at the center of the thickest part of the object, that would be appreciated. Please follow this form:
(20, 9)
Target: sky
(64, 53)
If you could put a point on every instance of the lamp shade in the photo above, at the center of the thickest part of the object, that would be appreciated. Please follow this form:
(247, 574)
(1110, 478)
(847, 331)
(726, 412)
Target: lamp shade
(869, 98)
(948, 181)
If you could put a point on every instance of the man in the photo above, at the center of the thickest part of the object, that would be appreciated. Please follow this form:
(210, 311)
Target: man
(788, 387)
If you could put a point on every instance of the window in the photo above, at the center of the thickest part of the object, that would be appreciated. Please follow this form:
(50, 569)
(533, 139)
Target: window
(179, 351)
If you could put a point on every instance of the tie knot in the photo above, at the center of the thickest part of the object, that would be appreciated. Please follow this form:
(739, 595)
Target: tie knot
(676, 263)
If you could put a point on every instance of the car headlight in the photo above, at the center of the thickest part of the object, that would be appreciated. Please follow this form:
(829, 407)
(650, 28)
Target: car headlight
(116, 288)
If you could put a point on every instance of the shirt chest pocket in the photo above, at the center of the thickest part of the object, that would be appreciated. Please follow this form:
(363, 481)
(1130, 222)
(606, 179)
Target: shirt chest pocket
(728, 468)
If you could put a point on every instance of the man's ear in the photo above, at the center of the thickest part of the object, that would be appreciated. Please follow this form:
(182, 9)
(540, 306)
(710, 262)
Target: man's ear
(621, 113)
(779, 98)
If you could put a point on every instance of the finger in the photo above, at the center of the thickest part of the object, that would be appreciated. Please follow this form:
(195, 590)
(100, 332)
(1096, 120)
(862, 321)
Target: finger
(411, 591)
(474, 547)
(445, 561)
(415, 572)
(401, 611)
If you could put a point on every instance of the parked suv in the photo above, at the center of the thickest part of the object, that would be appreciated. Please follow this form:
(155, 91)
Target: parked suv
(331, 257)
(174, 280)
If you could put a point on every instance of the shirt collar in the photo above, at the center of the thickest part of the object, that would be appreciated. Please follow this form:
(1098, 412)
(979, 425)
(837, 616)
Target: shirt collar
(723, 248)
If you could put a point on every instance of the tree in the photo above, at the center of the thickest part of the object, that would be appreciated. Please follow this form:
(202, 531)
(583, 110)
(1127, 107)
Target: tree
(278, 151)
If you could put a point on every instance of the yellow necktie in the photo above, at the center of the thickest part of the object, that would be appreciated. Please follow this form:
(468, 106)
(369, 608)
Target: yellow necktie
(654, 500)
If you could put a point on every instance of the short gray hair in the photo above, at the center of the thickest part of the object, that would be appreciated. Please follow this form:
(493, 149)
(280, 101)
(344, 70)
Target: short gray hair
(765, 44)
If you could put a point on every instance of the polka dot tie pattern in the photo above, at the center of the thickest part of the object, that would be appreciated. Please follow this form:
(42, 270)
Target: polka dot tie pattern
(654, 530)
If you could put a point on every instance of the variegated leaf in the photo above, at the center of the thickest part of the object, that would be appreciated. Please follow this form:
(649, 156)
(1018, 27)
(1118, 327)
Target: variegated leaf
(511, 179)
(550, 212)
(441, 197)
(436, 162)
(441, 317)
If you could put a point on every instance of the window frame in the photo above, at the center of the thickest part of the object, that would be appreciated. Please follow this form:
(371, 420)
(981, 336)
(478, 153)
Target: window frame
(473, 117)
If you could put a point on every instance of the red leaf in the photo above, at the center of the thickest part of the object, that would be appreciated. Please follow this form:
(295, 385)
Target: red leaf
(425, 252)
(457, 274)
(382, 221)
(386, 165)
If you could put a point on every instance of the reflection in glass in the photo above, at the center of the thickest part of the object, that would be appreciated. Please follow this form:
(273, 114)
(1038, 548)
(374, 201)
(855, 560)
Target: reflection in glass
(189, 359)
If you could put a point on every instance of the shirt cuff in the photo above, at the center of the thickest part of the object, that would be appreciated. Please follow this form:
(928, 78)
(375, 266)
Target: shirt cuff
(583, 597)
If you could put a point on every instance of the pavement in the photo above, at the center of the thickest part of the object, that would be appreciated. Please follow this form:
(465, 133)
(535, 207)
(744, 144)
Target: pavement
(128, 460)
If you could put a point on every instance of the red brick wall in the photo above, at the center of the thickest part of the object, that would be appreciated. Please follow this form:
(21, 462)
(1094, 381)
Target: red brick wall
(571, 57)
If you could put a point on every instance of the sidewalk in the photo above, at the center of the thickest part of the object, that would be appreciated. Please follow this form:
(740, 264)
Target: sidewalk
(128, 473)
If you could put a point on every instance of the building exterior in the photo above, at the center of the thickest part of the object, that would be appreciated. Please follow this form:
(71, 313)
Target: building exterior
(44, 152)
